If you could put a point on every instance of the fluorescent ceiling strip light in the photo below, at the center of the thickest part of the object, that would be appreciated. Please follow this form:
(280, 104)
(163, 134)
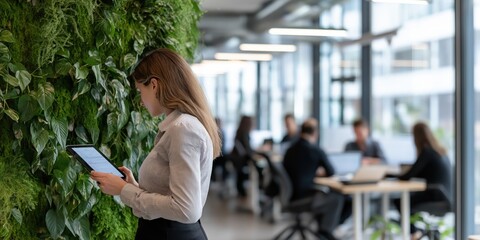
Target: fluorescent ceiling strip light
(308, 32)
(419, 2)
(268, 47)
(243, 56)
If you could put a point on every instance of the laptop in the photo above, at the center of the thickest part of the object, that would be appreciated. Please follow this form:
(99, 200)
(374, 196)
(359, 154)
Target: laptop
(366, 175)
(345, 163)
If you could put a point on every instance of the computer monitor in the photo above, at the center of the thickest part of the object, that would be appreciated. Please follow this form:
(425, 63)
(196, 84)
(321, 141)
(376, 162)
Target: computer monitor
(345, 162)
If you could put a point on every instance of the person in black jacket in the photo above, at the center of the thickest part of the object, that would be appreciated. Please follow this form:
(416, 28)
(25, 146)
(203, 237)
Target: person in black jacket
(303, 161)
(432, 165)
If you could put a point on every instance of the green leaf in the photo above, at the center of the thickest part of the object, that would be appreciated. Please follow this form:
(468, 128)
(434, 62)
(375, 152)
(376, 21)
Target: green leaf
(60, 128)
(129, 60)
(139, 45)
(99, 76)
(16, 67)
(12, 94)
(55, 223)
(64, 53)
(24, 78)
(81, 133)
(80, 72)
(39, 137)
(84, 186)
(28, 107)
(45, 95)
(63, 66)
(4, 53)
(82, 228)
(82, 88)
(17, 215)
(109, 62)
(93, 60)
(6, 36)
(17, 131)
(12, 114)
(112, 119)
(11, 80)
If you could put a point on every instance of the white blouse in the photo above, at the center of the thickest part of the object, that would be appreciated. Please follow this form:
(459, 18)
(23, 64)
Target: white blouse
(175, 177)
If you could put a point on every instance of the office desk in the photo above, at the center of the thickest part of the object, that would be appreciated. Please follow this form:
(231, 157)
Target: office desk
(385, 187)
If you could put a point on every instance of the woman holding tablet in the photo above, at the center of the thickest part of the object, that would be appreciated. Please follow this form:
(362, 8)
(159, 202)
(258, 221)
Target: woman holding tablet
(174, 178)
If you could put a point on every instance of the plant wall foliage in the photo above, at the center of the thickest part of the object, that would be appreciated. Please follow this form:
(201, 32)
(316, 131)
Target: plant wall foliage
(63, 80)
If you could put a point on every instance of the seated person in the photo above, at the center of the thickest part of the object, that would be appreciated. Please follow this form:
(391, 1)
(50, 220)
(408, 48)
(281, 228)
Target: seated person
(302, 161)
(242, 152)
(372, 152)
(432, 165)
(291, 126)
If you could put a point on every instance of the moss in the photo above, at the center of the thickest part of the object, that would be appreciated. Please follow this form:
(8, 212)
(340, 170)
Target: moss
(87, 111)
(20, 193)
(113, 221)
(63, 106)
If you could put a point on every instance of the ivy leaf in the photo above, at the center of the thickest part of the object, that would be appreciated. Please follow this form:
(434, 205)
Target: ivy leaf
(93, 60)
(62, 66)
(39, 138)
(129, 60)
(16, 67)
(12, 114)
(82, 88)
(109, 62)
(81, 72)
(81, 133)
(112, 119)
(12, 94)
(6, 36)
(4, 53)
(24, 78)
(45, 95)
(17, 131)
(28, 107)
(98, 76)
(139, 45)
(10, 79)
(60, 128)
(81, 227)
(64, 53)
(55, 223)
(84, 186)
(17, 215)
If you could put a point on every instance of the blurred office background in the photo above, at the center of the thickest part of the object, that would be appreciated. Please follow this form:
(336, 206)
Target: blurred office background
(392, 62)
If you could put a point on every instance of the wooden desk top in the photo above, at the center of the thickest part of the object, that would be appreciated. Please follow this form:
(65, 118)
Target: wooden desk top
(382, 186)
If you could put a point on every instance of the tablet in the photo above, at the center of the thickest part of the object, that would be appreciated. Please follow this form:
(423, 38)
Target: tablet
(93, 160)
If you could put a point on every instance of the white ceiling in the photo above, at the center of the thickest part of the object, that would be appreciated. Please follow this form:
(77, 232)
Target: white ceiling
(232, 6)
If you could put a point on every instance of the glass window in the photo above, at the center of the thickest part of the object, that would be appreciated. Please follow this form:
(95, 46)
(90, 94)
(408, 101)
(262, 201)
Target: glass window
(413, 75)
(340, 77)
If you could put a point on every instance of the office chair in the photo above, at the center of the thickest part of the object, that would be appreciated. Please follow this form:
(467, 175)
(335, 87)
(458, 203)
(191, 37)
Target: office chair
(296, 207)
(435, 208)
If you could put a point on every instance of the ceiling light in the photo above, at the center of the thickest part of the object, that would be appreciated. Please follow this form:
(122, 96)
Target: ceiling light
(268, 47)
(243, 56)
(311, 32)
(419, 2)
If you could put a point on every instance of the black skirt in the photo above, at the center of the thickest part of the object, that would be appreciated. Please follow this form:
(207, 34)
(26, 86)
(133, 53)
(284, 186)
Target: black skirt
(163, 229)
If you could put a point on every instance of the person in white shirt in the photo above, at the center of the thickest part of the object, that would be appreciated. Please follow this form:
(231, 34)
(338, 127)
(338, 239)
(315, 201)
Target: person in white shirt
(174, 178)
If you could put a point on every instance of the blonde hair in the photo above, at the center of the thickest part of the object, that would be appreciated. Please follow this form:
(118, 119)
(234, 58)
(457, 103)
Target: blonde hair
(178, 88)
(423, 136)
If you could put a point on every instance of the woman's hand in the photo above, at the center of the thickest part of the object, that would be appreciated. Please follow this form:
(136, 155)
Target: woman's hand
(109, 184)
(130, 178)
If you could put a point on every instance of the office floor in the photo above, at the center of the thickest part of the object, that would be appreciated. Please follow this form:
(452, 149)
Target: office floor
(223, 220)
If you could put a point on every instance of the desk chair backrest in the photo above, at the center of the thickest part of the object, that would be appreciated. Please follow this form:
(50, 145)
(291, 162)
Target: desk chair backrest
(280, 177)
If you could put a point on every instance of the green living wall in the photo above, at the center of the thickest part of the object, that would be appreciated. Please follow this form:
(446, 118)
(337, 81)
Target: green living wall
(63, 80)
